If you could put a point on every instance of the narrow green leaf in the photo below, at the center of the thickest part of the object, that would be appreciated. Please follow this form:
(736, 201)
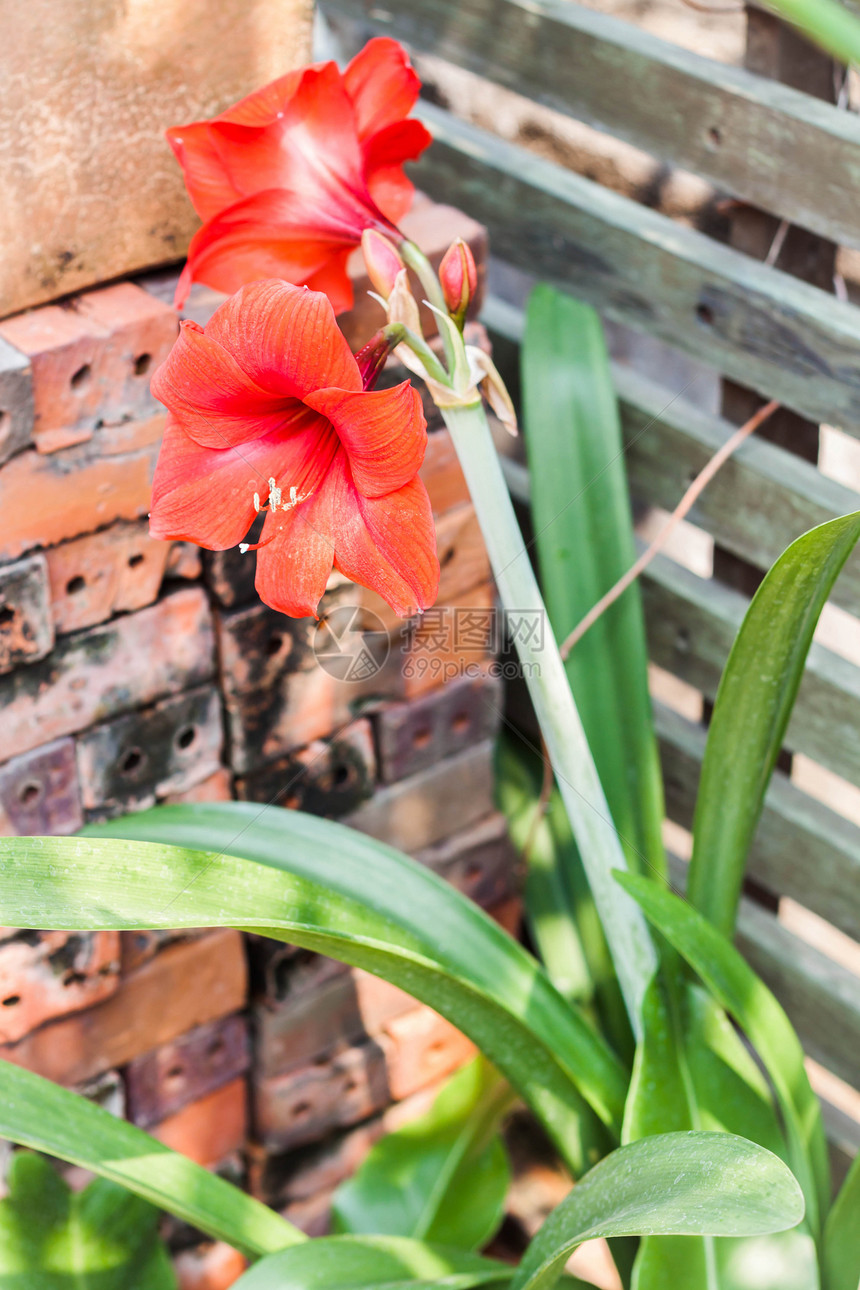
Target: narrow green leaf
(444, 1176)
(841, 1255)
(759, 1014)
(752, 710)
(682, 1183)
(584, 538)
(317, 884)
(101, 1238)
(372, 1263)
(36, 1113)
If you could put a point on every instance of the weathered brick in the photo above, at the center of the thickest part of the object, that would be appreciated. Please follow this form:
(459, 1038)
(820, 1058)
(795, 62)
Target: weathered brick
(311, 1216)
(329, 777)
(216, 788)
(161, 1082)
(442, 473)
(214, 1266)
(412, 736)
(113, 571)
(151, 1007)
(420, 1048)
(418, 812)
(302, 1106)
(40, 793)
(127, 763)
(480, 861)
(280, 971)
(450, 640)
(230, 574)
(48, 974)
(98, 673)
(278, 696)
(46, 500)
(92, 358)
(137, 948)
(26, 630)
(210, 1129)
(184, 561)
(16, 400)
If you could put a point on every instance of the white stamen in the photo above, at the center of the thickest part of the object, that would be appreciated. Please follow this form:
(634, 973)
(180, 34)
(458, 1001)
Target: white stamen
(257, 503)
(244, 546)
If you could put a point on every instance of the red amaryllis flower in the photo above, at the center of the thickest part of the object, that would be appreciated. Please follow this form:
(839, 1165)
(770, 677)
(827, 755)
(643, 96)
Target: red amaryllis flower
(287, 180)
(267, 404)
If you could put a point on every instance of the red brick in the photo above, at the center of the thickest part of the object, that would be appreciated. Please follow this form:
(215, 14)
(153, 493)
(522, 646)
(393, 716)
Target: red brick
(420, 1048)
(46, 500)
(40, 792)
(26, 631)
(113, 571)
(480, 861)
(163, 1081)
(215, 788)
(329, 777)
(209, 1129)
(305, 1104)
(49, 974)
(128, 763)
(137, 948)
(92, 358)
(215, 1266)
(412, 736)
(100, 672)
(151, 1007)
(16, 401)
(311, 1216)
(442, 473)
(184, 561)
(438, 649)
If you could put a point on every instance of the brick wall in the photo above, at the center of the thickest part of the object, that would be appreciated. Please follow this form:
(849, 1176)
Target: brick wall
(134, 672)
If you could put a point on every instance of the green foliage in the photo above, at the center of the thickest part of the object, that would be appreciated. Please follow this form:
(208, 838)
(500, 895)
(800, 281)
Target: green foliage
(686, 1183)
(372, 1263)
(753, 705)
(37, 1113)
(841, 1258)
(443, 1177)
(101, 1238)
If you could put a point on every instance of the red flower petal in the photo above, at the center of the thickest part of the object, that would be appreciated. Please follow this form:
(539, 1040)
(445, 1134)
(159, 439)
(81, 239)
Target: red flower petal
(294, 567)
(382, 84)
(387, 543)
(285, 339)
(385, 154)
(212, 398)
(202, 495)
(384, 433)
(334, 281)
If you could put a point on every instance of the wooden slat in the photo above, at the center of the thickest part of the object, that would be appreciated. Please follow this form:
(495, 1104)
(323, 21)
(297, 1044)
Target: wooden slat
(802, 849)
(761, 327)
(760, 501)
(691, 624)
(770, 145)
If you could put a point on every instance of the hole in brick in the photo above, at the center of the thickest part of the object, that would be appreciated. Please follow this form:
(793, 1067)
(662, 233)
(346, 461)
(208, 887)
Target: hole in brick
(76, 584)
(80, 378)
(273, 644)
(473, 871)
(7, 613)
(300, 1109)
(176, 1072)
(293, 802)
(461, 722)
(141, 364)
(186, 737)
(715, 137)
(135, 560)
(349, 1086)
(11, 1000)
(682, 640)
(74, 978)
(447, 558)
(342, 775)
(422, 737)
(705, 314)
(216, 1049)
(132, 761)
(29, 793)
(436, 1047)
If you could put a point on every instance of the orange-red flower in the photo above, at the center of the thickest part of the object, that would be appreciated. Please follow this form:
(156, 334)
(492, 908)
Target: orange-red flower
(266, 404)
(287, 180)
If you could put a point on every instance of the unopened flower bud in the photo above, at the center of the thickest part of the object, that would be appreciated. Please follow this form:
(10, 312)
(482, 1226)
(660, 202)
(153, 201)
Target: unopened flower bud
(382, 259)
(372, 358)
(459, 278)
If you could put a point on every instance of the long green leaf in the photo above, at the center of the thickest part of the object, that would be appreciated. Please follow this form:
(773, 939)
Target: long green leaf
(584, 539)
(372, 1263)
(759, 1014)
(752, 710)
(101, 1238)
(36, 1113)
(684, 1183)
(841, 1256)
(442, 1177)
(317, 884)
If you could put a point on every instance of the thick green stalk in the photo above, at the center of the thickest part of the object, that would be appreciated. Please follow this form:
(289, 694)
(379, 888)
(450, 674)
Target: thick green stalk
(827, 22)
(626, 932)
